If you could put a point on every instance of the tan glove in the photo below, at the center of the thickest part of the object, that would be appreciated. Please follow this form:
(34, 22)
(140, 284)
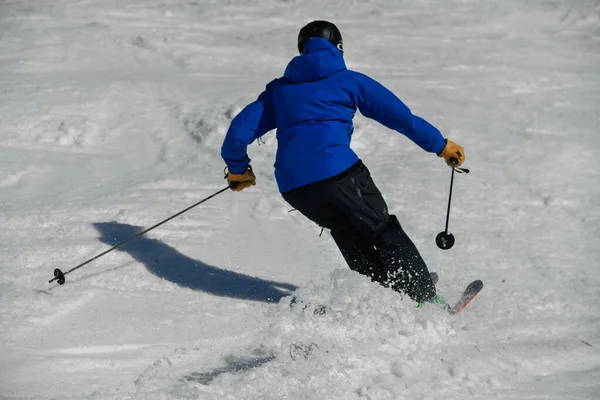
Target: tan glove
(453, 153)
(238, 182)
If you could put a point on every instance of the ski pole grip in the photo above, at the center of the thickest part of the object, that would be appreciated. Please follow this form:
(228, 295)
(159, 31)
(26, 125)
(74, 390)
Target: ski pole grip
(234, 185)
(453, 160)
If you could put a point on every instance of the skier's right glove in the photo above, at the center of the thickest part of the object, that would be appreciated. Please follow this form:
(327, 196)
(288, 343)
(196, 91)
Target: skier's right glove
(453, 153)
(238, 182)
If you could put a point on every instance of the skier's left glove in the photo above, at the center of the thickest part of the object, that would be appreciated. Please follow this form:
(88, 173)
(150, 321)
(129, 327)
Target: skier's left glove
(239, 182)
(453, 153)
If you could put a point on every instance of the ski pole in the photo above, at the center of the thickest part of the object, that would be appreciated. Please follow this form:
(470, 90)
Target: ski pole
(59, 276)
(445, 240)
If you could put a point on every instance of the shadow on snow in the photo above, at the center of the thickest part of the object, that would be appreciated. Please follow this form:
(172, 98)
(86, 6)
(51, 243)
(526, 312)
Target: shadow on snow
(166, 262)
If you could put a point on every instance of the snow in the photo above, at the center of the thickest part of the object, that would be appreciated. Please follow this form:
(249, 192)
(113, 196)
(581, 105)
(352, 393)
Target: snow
(112, 114)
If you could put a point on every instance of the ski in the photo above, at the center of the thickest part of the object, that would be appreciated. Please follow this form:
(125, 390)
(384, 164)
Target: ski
(469, 294)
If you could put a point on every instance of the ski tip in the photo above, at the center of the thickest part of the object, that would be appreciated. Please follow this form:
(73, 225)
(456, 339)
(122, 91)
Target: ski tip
(475, 285)
(470, 292)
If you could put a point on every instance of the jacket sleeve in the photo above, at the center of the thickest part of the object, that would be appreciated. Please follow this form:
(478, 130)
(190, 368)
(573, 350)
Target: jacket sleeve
(377, 102)
(252, 122)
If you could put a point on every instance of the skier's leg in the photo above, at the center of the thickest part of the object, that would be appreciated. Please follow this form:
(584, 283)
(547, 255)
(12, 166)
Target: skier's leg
(393, 260)
(371, 241)
(397, 262)
(314, 202)
(360, 255)
(408, 272)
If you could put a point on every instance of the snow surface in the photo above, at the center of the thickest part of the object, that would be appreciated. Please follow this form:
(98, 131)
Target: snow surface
(112, 114)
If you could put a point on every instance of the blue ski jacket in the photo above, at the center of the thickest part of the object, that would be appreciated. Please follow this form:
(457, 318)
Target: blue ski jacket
(312, 107)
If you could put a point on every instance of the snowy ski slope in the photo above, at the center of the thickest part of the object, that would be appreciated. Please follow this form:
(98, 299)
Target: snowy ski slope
(112, 114)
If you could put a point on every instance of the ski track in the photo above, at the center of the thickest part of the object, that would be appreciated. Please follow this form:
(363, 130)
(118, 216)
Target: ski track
(112, 118)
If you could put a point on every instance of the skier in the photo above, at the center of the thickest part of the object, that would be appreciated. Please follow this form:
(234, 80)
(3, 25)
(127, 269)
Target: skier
(317, 172)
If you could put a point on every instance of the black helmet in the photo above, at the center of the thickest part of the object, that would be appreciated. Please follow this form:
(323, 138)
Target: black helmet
(323, 29)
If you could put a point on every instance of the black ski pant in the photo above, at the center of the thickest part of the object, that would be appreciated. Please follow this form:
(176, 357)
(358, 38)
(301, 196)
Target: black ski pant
(372, 242)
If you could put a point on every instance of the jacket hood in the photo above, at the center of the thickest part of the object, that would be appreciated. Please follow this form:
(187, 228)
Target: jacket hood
(319, 60)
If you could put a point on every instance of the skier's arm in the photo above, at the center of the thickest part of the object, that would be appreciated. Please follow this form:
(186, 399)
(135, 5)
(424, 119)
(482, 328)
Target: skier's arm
(377, 102)
(252, 122)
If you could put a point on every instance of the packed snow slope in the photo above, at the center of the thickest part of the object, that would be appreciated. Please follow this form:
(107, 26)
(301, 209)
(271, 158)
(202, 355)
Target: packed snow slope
(112, 114)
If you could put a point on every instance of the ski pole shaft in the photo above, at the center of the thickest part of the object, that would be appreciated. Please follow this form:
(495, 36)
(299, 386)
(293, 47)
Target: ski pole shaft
(445, 240)
(60, 276)
(449, 200)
